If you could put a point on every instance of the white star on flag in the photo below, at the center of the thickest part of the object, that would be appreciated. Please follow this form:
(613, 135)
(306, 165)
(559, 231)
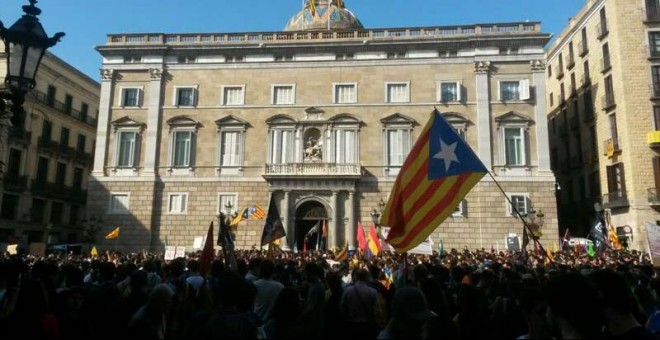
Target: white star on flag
(447, 154)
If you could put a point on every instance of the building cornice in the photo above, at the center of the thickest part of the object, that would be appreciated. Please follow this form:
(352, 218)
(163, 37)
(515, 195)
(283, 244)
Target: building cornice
(567, 34)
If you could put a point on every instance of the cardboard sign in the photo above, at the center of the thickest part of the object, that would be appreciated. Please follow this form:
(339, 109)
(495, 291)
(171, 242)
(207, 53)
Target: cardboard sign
(512, 243)
(170, 253)
(198, 243)
(12, 249)
(37, 248)
(180, 252)
(653, 237)
(424, 248)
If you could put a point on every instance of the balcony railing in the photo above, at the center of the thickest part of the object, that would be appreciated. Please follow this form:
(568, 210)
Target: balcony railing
(583, 48)
(15, 183)
(651, 14)
(608, 102)
(585, 79)
(61, 107)
(591, 157)
(653, 139)
(60, 191)
(20, 135)
(654, 196)
(313, 170)
(560, 71)
(617, 199)
(605, 64)
(611, 147)
(83, 157)
(47, 145)
(602, 29)
(287, 37)
(570, 62)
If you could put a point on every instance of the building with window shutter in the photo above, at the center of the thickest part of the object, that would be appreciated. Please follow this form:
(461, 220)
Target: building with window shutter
(603, 77)
(321, 116)
(49, 157)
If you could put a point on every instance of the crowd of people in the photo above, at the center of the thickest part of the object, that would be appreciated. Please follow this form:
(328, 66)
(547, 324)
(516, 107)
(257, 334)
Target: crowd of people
(460, 294)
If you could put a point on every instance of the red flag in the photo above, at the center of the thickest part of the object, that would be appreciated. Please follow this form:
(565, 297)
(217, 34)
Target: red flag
(438, 173)
(208, 253)
(362, 242)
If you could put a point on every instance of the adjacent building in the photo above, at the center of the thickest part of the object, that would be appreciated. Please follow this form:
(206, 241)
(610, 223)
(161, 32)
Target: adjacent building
(603, 100)
(320, 117)
(49, 157)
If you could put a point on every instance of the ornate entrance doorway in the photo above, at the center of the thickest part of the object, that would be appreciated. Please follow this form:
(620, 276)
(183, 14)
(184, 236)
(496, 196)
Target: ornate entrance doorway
(308, 215)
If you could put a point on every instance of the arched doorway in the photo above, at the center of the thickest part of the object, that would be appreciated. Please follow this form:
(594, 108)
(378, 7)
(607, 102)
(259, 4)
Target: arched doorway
(308, 215)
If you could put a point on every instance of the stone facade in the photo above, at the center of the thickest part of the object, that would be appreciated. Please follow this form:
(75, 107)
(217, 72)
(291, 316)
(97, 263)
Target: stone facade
(612, 37)
(44, 191)
(322, 151)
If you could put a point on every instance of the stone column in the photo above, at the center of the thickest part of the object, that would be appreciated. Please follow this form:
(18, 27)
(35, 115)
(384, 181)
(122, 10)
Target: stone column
(103, 119)
(351, 229)
(334, 223)
(288, 226)
(153, 122)
(540, 115)
(484, 151)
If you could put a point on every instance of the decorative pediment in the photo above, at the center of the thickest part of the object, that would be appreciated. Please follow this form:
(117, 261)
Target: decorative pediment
(313, 113)
(231, 121)
(398, 119)
(513, 117)
(455, 118)
(345, 118)
(127, 122)
(281, 119)
(183, 122)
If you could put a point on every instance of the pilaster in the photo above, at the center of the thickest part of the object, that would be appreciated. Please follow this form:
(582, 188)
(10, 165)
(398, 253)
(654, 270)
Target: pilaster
(103, 119)
(288, 226)
(351, 228)
(482, 70)
(540, 115)
(153, 121)
(333, 239)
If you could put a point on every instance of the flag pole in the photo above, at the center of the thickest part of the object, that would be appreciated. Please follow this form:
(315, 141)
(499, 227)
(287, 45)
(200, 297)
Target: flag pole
(526, 226)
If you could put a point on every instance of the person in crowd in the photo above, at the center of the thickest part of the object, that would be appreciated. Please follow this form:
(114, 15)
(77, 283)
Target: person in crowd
(362, 308)
(617, 302)
(150, 321)
(267, 290)
(409, 314)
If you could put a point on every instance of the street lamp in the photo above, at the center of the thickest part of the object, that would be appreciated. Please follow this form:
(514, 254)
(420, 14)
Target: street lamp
(381, 205)
(25, 44)
(375, 218)
(535, 221)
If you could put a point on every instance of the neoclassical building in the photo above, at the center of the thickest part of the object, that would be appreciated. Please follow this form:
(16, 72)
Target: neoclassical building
(320, 116)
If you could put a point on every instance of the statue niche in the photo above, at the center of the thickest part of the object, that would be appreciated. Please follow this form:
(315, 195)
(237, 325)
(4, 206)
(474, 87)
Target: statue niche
(313, 146)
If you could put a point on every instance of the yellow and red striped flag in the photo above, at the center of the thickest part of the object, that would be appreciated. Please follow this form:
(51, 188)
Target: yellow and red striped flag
(438, 173)
(113, 234)
(257, 212)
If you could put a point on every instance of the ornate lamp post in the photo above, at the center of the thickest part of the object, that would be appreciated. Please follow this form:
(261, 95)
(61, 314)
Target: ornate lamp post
(229, 208)
(25, 44)
(375, 215)
(535, 222)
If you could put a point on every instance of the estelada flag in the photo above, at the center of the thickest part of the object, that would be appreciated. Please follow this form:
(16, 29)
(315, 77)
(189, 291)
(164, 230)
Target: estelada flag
(257, 212)
(342, 255)
(273, 228)
(438, 173)
(113, 234)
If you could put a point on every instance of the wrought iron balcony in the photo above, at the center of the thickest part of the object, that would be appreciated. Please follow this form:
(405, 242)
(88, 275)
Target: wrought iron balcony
(560, 72)
(608, 101)
(616, 199)
(583, 48)
(605, 64)
(47, 145)
(20, 135)
(313, 170)
(654, 196)
(63, 108)
(602, 29)
(14, 183)
(58, 190)
(570, 62)
(611, 146)
(83, 157)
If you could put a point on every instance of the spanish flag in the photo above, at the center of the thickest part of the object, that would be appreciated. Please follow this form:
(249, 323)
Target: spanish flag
(113, 234)
(438, 173)
(342, 255)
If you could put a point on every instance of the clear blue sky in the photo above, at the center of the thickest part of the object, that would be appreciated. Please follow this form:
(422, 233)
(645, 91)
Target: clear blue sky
(86, 22)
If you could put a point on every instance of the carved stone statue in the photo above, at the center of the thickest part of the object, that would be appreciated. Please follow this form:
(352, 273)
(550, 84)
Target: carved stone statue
(313, 150)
